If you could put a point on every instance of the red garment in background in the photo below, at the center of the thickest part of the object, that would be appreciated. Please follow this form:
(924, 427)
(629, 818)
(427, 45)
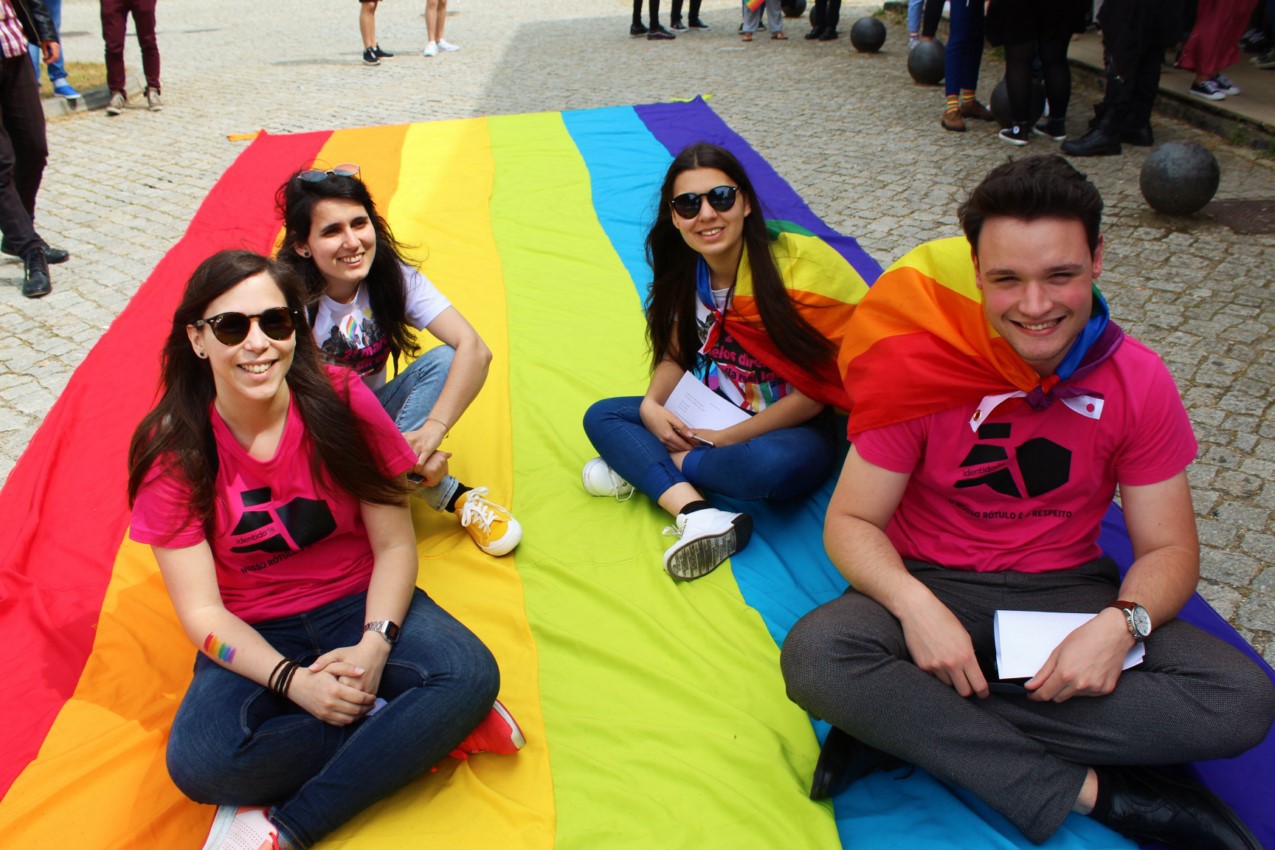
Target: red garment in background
(1214, 43)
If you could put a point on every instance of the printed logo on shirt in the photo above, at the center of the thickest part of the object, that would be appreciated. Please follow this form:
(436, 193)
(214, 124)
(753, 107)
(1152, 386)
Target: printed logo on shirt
(279, 528)
(738, 376)
(358, 343)
(1039, 465)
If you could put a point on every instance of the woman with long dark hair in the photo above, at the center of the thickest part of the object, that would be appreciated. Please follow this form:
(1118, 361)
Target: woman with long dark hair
(271, 489)
(753, 311)
(369, 306)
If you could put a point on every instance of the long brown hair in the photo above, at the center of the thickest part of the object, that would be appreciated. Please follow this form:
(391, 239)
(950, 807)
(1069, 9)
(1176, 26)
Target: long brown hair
(177, 433)
(670, 306)
(386, 286)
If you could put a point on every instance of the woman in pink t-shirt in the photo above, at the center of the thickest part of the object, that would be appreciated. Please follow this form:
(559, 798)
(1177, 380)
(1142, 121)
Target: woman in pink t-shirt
(271, 489)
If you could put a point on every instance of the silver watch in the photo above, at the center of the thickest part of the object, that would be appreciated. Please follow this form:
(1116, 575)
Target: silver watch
(1136, 616)
(387, 629)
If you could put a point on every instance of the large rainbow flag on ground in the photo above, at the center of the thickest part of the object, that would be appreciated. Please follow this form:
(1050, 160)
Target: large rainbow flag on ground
(654, 710)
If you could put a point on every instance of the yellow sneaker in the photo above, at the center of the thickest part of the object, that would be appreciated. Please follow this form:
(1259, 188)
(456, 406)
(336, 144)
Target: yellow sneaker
(493, 528)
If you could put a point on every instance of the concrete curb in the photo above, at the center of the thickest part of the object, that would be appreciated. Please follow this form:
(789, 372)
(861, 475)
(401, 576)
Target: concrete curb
(1232, 125)
(94, 98)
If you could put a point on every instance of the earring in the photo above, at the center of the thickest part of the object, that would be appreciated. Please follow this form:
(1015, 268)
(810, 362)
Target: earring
(305, 254)
(201, 355)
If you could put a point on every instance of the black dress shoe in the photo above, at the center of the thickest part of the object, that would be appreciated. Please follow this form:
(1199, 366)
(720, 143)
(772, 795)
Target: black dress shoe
(35, 275)
(814, 34)
(1139, 136)
(1148, 805)
(844, 760)
(637, 29)
(829, 35)
(1096, 142)
(52, 255)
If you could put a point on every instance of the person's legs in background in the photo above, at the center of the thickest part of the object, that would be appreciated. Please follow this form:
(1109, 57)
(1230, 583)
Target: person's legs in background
(915, 7)
(961, 62)
(114, 26)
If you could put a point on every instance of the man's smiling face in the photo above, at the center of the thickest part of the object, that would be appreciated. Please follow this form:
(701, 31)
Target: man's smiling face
(1037, 280)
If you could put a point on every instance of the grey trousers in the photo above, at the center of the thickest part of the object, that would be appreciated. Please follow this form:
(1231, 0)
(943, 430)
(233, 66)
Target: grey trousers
(1193, 697)
(774, 17)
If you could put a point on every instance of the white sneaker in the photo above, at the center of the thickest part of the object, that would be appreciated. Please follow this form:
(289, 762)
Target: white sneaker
(243, 828)
(153, 101)
(447, 46)
(601, 480)
(708, 537)
(431, 49)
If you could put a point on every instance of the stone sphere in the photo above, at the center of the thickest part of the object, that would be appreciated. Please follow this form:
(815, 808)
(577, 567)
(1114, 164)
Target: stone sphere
(1000, 103)
(1179, 178)
(793, 8)
(867, 35)
(925, 62)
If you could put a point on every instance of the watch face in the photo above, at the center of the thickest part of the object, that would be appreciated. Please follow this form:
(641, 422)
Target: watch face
(1141, 620)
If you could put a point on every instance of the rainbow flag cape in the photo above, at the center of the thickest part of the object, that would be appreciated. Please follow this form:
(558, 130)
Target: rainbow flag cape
(654, 710)
(821, 285)
(754, 5)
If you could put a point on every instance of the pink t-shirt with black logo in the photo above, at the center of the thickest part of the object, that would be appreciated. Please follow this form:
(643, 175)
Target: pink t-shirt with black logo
(1027, 491)
(283, 544)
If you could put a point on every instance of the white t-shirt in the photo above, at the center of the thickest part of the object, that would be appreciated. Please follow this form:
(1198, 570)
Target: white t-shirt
(349, 336)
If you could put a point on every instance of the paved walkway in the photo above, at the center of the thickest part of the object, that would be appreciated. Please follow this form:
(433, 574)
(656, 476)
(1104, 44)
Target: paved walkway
(851, 132)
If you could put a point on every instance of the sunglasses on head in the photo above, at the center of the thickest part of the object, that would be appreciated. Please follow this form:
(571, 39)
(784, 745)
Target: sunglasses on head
(317, 175)
(232, 328)
(720, 198)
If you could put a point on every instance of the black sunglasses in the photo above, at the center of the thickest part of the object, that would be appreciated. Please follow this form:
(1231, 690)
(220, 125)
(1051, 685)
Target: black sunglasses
(688, 205)
(232, 328)
(318, 175)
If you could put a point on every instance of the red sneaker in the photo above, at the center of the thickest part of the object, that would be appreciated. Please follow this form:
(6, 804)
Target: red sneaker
(498, 733)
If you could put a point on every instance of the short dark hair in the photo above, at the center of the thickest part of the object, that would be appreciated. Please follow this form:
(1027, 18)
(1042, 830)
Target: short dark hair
(1030, 188)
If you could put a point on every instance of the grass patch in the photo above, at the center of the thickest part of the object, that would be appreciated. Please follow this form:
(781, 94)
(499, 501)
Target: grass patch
(82, 75)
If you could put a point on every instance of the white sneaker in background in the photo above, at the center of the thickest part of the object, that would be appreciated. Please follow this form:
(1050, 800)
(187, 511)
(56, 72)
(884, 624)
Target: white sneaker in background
(601, 480)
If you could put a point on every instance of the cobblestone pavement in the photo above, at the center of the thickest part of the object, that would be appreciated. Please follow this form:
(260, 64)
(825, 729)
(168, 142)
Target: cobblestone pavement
(858, 140)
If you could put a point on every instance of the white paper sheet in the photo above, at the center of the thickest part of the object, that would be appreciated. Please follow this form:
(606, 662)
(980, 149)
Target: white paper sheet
(1024, 640)
(700, 407)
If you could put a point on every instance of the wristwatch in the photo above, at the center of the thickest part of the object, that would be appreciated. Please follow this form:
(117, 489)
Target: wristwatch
(387, 629)
(1137, 617)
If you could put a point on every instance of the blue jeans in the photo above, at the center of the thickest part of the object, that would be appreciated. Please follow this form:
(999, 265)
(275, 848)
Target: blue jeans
(781, 464)
(410, 397)
(235, 743)
(914, 15)
(964, 52)
(57, 71)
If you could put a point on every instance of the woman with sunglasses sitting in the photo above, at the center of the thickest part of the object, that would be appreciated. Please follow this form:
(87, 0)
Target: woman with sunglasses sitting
(271, 489)
(370, 305)
(752, 311)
